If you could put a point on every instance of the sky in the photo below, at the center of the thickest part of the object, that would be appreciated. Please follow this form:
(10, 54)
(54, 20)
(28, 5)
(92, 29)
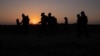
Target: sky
(10, 10)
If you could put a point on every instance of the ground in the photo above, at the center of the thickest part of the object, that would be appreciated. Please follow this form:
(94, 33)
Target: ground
(53, 45)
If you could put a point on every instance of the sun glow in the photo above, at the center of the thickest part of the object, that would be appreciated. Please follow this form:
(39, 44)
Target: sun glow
(34, 20)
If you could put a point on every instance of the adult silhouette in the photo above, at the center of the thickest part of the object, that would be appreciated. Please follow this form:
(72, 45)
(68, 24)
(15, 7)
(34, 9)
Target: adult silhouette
(82, 22)
(23, 20)
(49, 20)
(25, 23)
(43, 27)
(79, 30)
(52, 23)
(27, 20)
(66, 26)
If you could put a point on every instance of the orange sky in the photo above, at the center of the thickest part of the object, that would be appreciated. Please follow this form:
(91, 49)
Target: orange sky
(12, 9)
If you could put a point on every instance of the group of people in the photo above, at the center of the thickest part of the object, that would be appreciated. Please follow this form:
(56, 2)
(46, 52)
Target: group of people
(49, 24)
(24, 23)
(82, 22)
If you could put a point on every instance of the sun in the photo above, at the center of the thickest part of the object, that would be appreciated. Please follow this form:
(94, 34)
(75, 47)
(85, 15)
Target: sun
(34, 21)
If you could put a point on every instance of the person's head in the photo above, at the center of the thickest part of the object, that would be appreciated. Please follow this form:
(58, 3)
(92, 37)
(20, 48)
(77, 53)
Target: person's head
(42, 14)
(82, 13)
(78, 15)
(17, 19)
(49, 14)
(23, 15)
(65, 18)
(27, 16)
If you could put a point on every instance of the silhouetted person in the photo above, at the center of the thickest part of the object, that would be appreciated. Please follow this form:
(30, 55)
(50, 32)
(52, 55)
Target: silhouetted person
(79, 23)
(54, 20)
(43, 27)
(17, 21)
(25, 23)
(27, 20)
(82, 23)
(18, 25)
(52, 23)
(49, 20)
(66, 26)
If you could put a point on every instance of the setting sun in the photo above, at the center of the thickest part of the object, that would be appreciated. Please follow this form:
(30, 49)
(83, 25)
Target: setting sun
(34, 20)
